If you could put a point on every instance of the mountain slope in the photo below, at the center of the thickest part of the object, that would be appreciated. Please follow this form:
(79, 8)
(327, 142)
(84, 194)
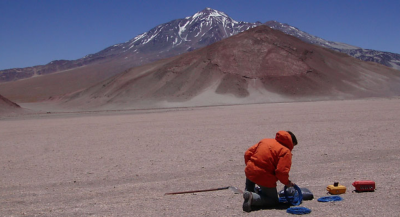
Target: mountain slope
(258, 65)
(385, 58)
(7, 105)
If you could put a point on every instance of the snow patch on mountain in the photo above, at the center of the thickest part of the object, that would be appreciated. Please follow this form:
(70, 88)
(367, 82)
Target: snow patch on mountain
(290, 30)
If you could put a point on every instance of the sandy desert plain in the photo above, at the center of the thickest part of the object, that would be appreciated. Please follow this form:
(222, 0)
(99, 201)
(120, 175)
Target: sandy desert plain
(121, 163)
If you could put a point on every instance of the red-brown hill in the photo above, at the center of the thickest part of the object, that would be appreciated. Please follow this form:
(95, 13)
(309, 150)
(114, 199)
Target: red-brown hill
(259, 65)
(7, 105)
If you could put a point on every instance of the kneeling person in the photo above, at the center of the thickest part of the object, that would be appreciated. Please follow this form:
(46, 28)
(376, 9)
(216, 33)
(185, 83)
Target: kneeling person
(267, 162)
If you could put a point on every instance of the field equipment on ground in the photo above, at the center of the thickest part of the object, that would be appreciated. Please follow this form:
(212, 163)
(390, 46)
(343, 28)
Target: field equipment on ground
(363, 186)
(298, 210)
(330, 199)
(336, 188)
(296, 198)
(307, 194)
(234, 189)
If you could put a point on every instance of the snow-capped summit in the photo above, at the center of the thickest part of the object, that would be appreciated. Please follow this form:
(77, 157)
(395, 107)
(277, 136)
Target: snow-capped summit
(208, 14)
(178, 36)
(207, 26)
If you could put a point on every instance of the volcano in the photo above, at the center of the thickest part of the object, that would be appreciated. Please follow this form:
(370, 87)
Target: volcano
(256, 66)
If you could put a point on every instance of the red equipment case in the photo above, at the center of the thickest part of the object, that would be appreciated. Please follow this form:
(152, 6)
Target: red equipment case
(365, 185)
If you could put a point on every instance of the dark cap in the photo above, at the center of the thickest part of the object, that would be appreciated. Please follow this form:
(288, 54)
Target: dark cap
(294, 139)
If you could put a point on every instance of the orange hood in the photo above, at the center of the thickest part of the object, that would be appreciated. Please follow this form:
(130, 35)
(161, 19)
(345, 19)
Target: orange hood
(285, 139)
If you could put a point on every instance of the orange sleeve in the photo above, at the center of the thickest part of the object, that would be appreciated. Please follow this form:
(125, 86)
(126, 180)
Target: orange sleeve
(249, 153)
(283, 167)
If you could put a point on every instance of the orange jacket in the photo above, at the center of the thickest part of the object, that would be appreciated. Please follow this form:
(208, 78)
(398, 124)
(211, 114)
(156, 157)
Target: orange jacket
(270, 160)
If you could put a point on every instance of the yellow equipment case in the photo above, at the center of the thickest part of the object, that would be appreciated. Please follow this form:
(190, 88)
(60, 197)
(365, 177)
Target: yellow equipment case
(336, 188)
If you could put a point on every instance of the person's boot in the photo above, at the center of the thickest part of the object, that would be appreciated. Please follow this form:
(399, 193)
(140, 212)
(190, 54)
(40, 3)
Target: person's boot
(248, 197)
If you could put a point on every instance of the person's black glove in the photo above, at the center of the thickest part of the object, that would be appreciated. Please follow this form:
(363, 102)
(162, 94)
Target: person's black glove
(291, 184)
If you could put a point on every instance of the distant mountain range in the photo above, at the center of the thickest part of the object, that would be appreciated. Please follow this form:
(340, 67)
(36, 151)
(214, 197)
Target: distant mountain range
(182, 35)
(385, 58)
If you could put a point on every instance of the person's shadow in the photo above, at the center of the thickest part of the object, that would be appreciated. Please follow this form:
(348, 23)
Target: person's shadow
(280, 206)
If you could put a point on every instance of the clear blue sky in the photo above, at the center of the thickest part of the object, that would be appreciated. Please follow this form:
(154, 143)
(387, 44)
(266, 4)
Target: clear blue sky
(35, 32)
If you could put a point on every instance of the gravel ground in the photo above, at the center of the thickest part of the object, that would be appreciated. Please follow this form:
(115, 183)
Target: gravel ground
(120, 163)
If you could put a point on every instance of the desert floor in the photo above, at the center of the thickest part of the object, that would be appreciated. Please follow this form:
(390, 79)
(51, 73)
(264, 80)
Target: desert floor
(120, 163)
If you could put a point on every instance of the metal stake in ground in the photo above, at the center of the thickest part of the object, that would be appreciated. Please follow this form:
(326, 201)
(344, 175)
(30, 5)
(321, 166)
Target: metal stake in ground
(234, 189)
